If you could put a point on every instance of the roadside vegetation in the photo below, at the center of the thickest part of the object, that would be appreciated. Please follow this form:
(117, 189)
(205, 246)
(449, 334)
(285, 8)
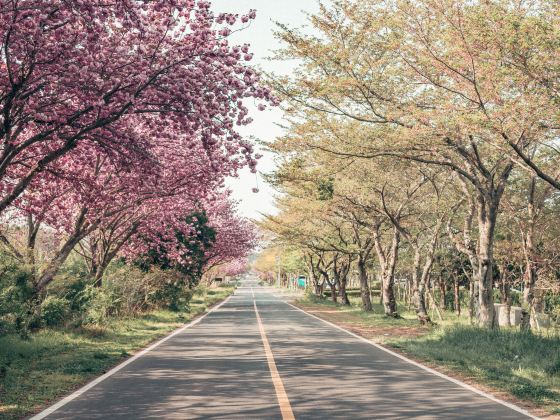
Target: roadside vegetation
(116, 139)
(418, 178)
(81, 325)
(80, 331)
(521, 366)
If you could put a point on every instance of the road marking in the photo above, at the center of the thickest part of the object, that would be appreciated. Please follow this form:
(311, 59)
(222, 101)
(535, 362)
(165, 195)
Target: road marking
(283, 401)
(101, 378)
(426, 368)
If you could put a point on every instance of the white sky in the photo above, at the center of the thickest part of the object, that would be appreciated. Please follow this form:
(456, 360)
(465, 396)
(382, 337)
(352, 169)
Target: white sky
(260, 36)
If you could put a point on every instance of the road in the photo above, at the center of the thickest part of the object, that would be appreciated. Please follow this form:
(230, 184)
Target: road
(258, 357)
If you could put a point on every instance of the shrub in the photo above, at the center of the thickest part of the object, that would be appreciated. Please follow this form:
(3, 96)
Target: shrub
(98, 305)
(54, 311)
(17, 297)
(174, 295)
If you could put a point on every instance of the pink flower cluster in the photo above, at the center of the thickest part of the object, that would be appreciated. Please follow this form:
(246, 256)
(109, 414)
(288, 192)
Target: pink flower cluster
(123, 116)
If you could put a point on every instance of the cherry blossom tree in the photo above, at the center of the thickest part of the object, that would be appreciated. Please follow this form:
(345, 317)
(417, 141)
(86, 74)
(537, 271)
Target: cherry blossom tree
(117, 121)
(80, 71)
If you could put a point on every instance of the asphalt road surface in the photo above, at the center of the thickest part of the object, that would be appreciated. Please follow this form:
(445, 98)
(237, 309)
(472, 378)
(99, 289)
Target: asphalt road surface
(257, 357)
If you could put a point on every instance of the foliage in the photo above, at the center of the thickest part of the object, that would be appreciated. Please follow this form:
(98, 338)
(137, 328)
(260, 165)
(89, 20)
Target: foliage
(191, 250)
(17, 297)
(102, 142)
(422, 139)
(54, 311)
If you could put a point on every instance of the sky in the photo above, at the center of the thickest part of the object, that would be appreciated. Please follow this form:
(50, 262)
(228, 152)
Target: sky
(260, 35)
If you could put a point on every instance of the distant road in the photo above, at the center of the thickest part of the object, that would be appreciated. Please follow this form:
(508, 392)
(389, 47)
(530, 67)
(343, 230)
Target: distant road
(257, 357)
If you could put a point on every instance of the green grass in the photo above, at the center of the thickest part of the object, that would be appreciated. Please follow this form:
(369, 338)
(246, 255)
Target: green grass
(36, 371)
(523, 364)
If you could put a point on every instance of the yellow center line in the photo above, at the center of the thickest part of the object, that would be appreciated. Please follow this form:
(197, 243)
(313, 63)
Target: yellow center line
(283, 401)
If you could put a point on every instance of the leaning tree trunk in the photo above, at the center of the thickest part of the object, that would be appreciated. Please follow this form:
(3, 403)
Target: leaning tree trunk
(364, 286)
(419, 290)
(342, 280)
(81, 230)
(32, 232)
(389, 301)
(54, 266)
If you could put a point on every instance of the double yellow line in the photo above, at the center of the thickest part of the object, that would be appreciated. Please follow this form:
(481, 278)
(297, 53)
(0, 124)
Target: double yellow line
(283, 401)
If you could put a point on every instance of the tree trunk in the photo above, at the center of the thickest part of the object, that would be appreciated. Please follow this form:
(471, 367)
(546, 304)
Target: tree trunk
(456, 296)
(341, 279)
(419, 290)
(98, 279)
(442, 292)
(333, 291)
(389, 301)
(506, 295)
(32, 231)
(342, 290)
(54, 266)
(487, 224)
(380, 289)
(530, 275)
(364, 286)
(472, 298)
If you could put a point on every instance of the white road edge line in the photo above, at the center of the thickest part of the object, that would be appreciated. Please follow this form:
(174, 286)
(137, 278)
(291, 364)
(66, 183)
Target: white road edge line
(101, 378)
(426, 368)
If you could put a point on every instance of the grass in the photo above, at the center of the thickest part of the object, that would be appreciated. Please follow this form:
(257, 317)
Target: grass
(524, 365)
(38, 370)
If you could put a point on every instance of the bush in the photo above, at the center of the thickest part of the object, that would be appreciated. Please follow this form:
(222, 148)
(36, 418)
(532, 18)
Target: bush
(126, 291)
(17, 298)
(97, 305)
(174, 295)
(54, 311)
(140, 291)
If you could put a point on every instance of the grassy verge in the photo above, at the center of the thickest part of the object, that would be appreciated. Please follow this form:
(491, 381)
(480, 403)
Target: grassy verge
(522, 367)
(38, 370)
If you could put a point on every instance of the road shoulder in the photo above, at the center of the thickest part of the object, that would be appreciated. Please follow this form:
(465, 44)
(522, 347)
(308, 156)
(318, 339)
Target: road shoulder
(376, 336)
(73, 391)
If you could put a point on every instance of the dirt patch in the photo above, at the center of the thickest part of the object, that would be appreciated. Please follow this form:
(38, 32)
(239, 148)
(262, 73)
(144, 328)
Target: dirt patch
(334, 311)
(375, 332)
(356, 325)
